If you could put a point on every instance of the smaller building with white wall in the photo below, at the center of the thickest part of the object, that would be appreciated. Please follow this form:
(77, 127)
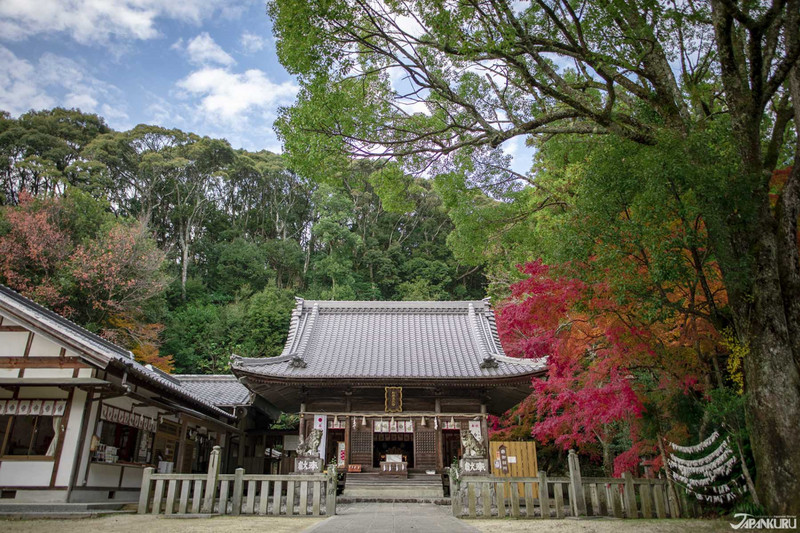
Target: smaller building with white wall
(80, 419)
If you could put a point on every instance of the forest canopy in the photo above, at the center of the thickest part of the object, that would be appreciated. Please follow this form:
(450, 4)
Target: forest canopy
(188, 251)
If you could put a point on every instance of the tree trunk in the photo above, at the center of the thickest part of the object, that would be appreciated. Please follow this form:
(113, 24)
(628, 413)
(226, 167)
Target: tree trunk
(772, 384)
(184, 265)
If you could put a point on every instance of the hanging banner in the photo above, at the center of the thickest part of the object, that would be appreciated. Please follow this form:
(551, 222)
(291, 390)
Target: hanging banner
(321, 423)
(341, 455)
(118, 416)
(33, 407)
(475, 429)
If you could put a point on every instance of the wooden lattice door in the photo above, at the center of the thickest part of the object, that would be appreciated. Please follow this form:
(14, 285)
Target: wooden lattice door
(425, 448)
(361, 446)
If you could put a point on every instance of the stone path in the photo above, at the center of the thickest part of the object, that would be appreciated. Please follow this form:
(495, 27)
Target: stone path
(392, 518)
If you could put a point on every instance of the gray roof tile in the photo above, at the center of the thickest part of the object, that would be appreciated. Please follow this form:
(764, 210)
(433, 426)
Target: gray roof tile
(410, 340)
(223, 390)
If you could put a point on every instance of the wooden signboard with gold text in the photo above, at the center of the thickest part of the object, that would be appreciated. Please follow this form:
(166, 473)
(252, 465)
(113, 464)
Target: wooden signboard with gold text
(394, 400)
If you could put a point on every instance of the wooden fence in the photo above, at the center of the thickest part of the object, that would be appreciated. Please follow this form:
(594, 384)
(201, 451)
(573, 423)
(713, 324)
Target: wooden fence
(215, 493)
(526, 497)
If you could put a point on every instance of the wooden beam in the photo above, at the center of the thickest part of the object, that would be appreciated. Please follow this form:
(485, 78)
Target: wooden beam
(42, 362)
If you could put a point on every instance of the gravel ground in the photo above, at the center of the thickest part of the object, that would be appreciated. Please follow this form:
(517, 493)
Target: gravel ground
(600, 526)
(146, 523)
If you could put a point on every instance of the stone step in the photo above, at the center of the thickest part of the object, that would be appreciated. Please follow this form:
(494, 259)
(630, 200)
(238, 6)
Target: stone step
(42, 507)
(393, 491)
(378, 499)
(60, 515)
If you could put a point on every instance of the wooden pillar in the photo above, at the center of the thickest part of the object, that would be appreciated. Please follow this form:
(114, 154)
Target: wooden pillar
(302, 420)
(242, 425)
(439, 442)
(347, 427)
(484, 427)
(181, 444)
(577, 497)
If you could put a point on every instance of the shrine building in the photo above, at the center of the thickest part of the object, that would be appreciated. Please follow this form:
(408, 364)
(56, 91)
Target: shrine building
(391, 383)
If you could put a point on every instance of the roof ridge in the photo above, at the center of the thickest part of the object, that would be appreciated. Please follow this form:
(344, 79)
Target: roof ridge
(476, 334)
(52, 315)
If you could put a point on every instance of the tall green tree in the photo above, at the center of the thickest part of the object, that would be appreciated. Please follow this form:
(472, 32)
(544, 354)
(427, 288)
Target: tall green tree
(38, 149)
(438, 88)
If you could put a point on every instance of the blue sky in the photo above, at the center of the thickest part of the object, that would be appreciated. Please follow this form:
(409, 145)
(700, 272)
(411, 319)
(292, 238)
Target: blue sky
(205, 66)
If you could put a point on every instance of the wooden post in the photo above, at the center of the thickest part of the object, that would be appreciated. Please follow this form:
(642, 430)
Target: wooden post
(184, 501)
(577, 498)
(277, 490)
(144, 493)
(658, 496)
(330, 496)
(179, 457)
(630, 496)
(263, 498)
(454, 503)
(529, 512)
(647, 500)
(544, 495)
(238, 490)
(171, 492)
(514, 488)
(471, 500)
(558, 494)
(197, 496)
(211, 480)
(616, 505)
(303, 510)
(595, 500)
(159, 494)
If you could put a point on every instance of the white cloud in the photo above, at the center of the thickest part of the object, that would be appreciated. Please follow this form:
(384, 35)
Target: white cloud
(19, 88)
(203, 50)
(54, 81)
(240, 107)
(226, 96)
(252, 43)
(90, 21)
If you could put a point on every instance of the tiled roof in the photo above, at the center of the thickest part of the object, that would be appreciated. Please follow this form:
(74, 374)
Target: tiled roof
(91, 346)
(398, 340)
(223, 390)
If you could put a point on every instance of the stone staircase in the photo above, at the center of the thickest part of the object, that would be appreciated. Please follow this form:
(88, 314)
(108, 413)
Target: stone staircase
(369, 487)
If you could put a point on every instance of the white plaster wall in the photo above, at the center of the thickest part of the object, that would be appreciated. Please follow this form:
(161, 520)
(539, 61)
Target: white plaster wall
(132, 476)
(7, 321)
(25, 473)
(48, 372)
(71, 438)
(9, 372)
(86, 372)
(12, 343)
(42, 347)
(103, 475)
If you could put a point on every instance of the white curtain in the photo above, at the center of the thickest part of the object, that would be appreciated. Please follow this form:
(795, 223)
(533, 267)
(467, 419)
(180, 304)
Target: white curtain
(51, 450)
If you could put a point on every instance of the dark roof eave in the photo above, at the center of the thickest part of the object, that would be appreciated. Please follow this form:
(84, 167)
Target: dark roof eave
(383, 381)
(148, 382)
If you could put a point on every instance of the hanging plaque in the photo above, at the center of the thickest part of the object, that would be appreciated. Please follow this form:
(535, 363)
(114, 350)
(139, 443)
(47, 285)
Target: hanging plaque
(394, 400)
(503, 459)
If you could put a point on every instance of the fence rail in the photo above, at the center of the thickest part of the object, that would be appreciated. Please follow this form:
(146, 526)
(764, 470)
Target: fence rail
(626, 497)
(239, 493)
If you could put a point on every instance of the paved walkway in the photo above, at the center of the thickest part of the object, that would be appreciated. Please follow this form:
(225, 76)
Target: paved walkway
(392, 517)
